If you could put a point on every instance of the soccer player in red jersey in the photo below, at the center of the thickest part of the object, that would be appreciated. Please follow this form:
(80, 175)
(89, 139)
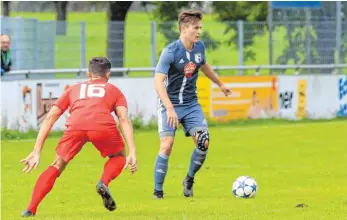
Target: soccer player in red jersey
(91, 104)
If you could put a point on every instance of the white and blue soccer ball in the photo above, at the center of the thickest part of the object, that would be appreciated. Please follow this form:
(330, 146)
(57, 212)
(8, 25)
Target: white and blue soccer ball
(245, 187)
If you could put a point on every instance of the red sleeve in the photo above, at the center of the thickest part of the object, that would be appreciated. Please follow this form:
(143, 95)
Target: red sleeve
(120, 100)
(64, 101)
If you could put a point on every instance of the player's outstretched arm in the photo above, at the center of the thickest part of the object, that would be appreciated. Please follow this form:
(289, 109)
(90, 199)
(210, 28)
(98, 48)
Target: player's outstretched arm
(33, 159)
(128, 133)
(208, 71)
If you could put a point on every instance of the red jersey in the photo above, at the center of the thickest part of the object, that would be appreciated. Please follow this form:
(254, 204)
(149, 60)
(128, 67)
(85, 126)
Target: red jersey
(91, 104)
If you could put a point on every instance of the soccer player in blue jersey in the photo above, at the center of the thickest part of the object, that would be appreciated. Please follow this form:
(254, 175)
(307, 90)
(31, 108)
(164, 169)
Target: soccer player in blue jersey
(175, 82)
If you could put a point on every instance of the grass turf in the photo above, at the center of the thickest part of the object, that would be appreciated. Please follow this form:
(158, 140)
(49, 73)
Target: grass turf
(293, 163)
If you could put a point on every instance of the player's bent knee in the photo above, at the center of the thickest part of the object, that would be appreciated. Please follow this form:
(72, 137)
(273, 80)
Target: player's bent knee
(206, 144)
(202, 139)
(59, 163)
(166, 145)
(120, 153)
(167, 142)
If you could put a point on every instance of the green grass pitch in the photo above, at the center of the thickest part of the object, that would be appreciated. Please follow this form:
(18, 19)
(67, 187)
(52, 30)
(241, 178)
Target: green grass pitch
(293, 163)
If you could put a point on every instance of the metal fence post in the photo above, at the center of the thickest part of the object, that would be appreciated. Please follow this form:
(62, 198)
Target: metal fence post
(308, 36)
(240, 44)
(83, 44)
(36, 50)
(270, 27)
(153, 43)
(19, 30)
(52, 45)
(338, 34)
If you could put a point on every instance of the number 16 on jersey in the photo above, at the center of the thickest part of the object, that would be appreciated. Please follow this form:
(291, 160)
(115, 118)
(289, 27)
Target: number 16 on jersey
(92, 90)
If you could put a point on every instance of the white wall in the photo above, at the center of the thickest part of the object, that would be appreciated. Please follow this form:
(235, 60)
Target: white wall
(326, 96)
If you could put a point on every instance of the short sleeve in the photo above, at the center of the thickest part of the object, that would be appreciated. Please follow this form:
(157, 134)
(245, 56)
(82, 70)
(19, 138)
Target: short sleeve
(120, 99)
(203, 61)
(63, 102)
(165, 60)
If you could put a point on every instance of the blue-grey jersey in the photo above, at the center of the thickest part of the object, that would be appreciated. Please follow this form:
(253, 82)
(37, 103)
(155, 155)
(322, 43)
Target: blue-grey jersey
(181, 67)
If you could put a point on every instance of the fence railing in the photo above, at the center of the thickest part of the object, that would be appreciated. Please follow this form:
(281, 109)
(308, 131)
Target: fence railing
(125, 72)
(38, 45)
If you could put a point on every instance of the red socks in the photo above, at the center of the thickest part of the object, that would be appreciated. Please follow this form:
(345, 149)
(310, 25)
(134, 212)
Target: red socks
(113, 167)
(43, 185)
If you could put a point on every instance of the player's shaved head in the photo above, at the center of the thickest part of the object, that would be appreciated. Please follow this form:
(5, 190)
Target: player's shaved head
(189, 17)
(99, 66)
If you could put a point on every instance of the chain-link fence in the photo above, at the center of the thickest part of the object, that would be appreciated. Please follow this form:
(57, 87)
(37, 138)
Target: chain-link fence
(35, 44)
(32, 42)
(38, 44)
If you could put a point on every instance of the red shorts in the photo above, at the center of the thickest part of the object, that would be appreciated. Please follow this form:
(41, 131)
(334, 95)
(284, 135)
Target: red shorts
(107, 142)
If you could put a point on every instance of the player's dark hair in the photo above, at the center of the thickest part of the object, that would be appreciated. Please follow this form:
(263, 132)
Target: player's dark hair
(99, 66)
(189, 16)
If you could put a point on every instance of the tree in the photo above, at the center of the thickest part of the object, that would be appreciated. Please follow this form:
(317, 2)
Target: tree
(311, 36)
(231, 12)
(6, 8)
(116, 29)
(344, 42)
(227, 12)
(254, 14)
(61, 8)
(166, 14)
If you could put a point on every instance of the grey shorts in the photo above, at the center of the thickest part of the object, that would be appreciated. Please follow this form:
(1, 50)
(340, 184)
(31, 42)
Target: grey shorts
(191, 117)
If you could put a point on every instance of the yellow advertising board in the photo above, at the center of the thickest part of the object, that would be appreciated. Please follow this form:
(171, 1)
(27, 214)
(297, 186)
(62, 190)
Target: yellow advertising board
(204, 94)
(252, 97)
(302, 86)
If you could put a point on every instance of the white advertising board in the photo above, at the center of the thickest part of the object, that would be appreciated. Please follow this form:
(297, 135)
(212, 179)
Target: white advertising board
(322, 96)
(288, 96)
(10, 105)
(25, 103)
(318, 95)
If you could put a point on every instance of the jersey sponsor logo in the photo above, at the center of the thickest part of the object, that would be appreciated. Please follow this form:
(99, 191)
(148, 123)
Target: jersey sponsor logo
(198, 57)
(189, 69)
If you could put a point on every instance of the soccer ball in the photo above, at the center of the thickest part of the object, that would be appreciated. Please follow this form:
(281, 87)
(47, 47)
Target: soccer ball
(245, 187)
